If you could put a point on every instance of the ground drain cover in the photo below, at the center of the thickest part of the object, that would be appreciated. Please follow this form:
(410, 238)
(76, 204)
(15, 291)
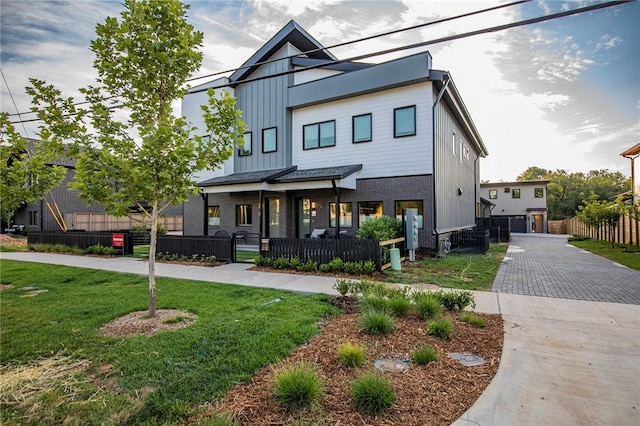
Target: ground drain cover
(391, 365)
(467, 359)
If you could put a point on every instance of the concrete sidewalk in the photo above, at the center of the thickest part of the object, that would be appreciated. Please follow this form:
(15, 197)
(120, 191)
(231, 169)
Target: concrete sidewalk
(564, 362)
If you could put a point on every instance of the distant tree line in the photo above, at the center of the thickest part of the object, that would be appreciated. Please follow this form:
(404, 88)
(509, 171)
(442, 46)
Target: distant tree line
(566, 192)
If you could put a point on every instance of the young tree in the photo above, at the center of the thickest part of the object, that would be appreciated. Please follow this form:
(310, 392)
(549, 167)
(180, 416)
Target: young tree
(146, 160)
(25, 169)
(597, 213)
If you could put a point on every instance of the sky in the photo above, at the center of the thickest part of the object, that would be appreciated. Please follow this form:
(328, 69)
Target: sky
(562, 94)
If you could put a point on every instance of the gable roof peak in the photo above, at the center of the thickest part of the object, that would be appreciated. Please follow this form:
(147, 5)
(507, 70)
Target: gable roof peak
(291, 33)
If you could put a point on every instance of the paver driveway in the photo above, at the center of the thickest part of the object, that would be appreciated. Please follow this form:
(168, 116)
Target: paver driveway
(546, 265)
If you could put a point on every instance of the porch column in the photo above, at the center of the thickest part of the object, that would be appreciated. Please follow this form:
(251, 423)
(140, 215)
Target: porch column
(205, 221)
(336, 191)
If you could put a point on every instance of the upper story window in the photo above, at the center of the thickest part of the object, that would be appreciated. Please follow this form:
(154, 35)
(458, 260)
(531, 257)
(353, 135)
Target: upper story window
(404, 121)
(539, 192)
(319, 135)
(493, 194)
(213, 215)
(507, 190)
(269, 140)
(361, 128)
(515, 193)
(245, 149)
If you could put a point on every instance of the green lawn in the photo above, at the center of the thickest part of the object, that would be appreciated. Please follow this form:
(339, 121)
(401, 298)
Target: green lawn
(159, 379)
(465, 271)
(624, 254)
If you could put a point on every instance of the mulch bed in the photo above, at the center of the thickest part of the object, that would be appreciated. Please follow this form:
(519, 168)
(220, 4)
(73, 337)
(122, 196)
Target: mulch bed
(435, 394)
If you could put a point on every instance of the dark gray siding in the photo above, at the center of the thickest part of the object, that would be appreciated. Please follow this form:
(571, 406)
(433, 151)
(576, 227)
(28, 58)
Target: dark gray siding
(455, 181)
(193, 219)
(263, 104)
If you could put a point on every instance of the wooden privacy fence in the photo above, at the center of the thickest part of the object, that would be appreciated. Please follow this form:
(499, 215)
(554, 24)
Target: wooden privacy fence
(96, 222)
(627, 231)
(325, 250)
(81, 240)
(223, 248)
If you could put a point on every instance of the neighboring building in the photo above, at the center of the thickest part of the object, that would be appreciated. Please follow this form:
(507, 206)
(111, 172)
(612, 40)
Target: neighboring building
(62, 209)
(524, 202)
(633, 154)
(330, 144)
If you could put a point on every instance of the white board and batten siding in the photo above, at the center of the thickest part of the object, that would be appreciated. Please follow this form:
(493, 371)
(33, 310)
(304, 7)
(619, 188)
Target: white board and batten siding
(384, 156)
(191, 110)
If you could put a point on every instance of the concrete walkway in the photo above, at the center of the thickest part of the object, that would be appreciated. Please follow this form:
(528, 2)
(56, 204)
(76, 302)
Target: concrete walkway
(564, 362)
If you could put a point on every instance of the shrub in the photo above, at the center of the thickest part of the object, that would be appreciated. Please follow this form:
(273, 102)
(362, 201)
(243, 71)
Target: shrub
(353, 268)
(218, 420)
(381, 228)
(297, 386)
(100, 250)
(441, 328)
(325, 268)
(427, 305)
(369, 288)
(369, 267)
(372, 393)
(308, 266)
(343, 286)
(336, 264)
(424, 354)
(374, 303)
(456, 299)
(351, 355)
(399, 305)
(475, 320)
(374, 322)
(264, 261)
(294, 262)
(281, 263)
(362, 286)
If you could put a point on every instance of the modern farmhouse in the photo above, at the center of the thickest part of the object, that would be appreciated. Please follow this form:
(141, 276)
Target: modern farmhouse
(331, 144)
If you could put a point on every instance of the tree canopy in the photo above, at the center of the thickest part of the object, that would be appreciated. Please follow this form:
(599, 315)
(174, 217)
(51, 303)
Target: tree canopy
(26, 169)
(567, 191)
(131, 149)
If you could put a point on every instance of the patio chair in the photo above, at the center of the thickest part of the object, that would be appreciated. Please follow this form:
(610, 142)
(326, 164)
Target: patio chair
(221, 233)
(241, 236)
(317, 233)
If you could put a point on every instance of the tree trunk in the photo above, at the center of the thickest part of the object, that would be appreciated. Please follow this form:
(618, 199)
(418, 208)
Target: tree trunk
(152, 259)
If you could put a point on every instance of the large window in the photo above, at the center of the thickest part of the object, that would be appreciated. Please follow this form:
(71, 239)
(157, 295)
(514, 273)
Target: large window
(368, 210)
(539, 192)
(33, 217)
(515, 193)
(269, 140)
(361, 128)
(213, 215)
(345, 215)
(245, 149)
(493, 194)
(410, 204)
(243, 215)
(404, 121)
(319, 135)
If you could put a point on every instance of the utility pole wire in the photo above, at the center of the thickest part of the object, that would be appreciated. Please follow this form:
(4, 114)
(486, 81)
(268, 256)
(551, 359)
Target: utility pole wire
(438, 21)
(420, 44)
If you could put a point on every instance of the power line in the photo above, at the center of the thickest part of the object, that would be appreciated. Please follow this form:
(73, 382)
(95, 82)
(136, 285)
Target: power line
(14, 102)
(421, 44)
(438, 21)
(346, 43)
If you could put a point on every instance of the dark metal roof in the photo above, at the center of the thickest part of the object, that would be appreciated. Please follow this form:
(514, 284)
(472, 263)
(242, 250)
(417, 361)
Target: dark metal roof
(247, 177)
(290, 33)
(324, 173)
(331, 65)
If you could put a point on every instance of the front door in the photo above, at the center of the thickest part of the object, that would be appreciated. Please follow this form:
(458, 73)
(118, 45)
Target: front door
(537, 224)
(304, 218)
(273, 217)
